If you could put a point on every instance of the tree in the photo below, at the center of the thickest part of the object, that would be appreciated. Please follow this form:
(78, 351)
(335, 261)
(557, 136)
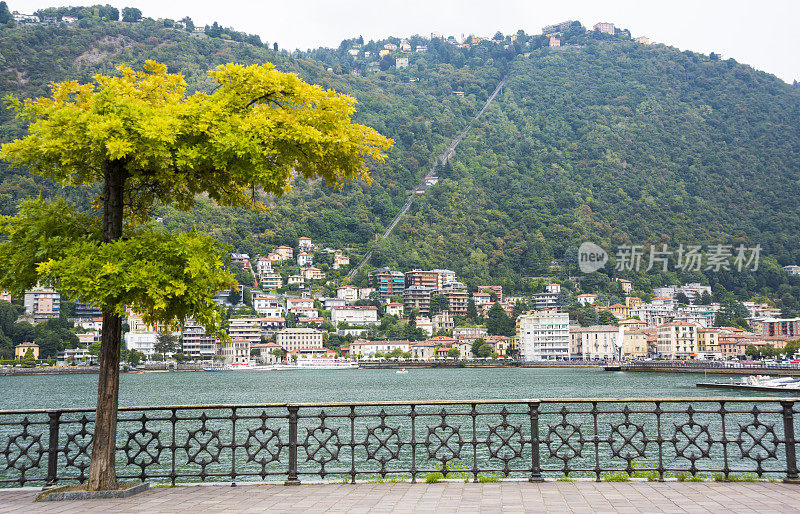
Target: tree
(472, 311)
(180, 357)
(481, 349)
(157, 357)
(454, 353)
(135, 357)
(752, 351)
(28, 360)
(131, 14)
(145, 142)
(94, 349)
(682, 298)
(6, 17)
(606, 318)
(498, 323)
(439, 303)
(705, 298)
(278, 353)
(166, 343)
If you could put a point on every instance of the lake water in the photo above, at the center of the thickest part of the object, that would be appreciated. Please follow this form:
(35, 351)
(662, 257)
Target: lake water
(198, 388)
(574, 436)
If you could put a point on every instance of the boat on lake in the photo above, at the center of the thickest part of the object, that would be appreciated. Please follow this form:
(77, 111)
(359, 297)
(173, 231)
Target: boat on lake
(758, 383)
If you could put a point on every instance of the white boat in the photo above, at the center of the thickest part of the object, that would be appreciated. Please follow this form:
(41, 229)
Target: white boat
(313, 364)
(792, 383)
(401, 371)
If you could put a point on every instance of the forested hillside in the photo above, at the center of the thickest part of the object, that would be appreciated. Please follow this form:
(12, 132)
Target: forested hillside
(603, 139)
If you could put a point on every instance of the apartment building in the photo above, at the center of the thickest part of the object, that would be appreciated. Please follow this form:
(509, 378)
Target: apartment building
(245, 328)
(544, 335)
(678, 340)
(387, 282)
(355, 315)
(595, 342)
(296, 338)
(196, 343)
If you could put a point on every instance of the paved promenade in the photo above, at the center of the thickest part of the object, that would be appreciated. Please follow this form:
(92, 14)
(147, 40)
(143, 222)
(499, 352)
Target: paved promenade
(443, 497)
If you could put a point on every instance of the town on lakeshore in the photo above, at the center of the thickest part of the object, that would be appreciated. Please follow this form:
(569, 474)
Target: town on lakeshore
(285, 309)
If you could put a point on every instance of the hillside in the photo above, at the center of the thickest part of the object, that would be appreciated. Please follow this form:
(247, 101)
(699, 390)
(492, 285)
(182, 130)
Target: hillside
(603, 139)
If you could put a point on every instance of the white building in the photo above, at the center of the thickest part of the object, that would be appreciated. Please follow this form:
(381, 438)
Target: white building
(470, 333)
(348, 293)
(245, 328)
(586, 299)
(301, 307)
(340, 261)
(544, 335)
(196, 343)
(141, 342)
(305, 259)
(792, 269)
(263, 265)
(304, 243)
(394, 309)
(368, 349)
(401, 62)
(296, 338)
(269, 306)
(692, 291)
(355, 315)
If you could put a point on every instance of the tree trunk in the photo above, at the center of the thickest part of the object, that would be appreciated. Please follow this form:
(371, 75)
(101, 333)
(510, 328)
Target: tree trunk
(102, 470)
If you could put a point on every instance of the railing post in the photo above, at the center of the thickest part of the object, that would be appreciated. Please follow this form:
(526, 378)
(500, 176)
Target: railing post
(291, 479)
(788, 437)
(52, 449)
(536, 465)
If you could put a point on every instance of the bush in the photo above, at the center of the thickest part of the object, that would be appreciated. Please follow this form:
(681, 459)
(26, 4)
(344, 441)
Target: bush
(433, 478)
(618, 476)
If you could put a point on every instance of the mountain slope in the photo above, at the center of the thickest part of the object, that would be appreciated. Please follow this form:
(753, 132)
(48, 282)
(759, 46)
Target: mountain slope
(603, 139)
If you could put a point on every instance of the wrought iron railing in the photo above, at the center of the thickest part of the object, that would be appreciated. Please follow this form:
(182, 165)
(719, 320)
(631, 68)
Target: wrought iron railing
(470, 440)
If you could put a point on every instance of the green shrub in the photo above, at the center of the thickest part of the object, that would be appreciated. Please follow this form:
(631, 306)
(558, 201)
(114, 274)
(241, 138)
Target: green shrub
(685, 476)
(486, 479)
(617, 476)
(432, 478)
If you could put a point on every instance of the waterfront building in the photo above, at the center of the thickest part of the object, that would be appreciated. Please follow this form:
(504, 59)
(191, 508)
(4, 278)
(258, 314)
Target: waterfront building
(678, 340)
(423, 350)
(141, 342)
(368, 349)
(21, 349)
(65, 357)
(235, 351)
(544, 335)
(263, 352)
(596, 342)
(634, 343)
(294, 338)
(197, 344)
(501, 345)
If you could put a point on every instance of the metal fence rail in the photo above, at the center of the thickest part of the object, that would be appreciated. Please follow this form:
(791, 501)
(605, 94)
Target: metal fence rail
(472, 439)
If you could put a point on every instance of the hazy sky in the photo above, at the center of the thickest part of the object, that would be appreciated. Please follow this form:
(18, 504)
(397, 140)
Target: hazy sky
(761, 33)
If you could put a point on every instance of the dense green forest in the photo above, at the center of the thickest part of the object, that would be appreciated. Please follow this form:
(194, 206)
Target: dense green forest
(603, 139)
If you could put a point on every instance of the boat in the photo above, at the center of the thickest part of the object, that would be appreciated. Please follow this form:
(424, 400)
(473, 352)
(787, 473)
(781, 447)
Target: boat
(312, 364)
(401, 370)
(758, 383)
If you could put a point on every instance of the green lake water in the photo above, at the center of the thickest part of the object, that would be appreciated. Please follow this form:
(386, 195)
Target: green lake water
(198, 388)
